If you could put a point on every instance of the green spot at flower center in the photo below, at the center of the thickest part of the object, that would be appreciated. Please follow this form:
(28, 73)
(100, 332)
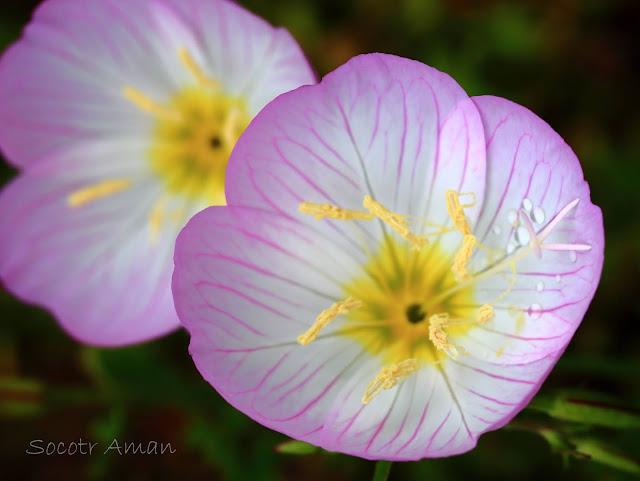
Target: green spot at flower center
(415, 314)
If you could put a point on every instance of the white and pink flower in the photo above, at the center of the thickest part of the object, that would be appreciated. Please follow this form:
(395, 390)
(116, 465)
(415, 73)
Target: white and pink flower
(399, 266)
(121, 116)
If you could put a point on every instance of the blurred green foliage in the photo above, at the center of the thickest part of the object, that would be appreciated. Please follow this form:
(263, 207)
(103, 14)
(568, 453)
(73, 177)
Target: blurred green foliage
(576, 64)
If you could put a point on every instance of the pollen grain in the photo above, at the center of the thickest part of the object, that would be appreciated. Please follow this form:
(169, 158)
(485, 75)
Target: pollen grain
(396, 221)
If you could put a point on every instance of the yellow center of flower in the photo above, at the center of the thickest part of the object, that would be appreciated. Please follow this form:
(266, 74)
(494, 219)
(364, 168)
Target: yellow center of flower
(194, 133)
(190, 153)
(396, 291)
(413, 297)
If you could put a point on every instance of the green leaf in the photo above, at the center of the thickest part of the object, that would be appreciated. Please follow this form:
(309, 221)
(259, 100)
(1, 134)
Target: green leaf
(382, 470)
(599, 452)
(587, 408)
(556, 440)
(579, 447)
(296, 447)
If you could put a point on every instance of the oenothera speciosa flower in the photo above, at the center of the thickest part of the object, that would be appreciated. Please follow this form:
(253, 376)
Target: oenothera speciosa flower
(121, 116)
(401, 267)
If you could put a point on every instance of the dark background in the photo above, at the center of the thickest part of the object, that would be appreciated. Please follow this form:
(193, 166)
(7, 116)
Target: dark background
(575, 63)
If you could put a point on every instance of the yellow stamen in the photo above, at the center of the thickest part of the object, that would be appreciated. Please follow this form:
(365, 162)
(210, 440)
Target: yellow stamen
(97, 191)
(485, 313)
(326, 317)
(159, 214)
(156, 219)
(147, 104)
(462, 257)
(333, 212)
(388, 378)
(456, 210)
(191, 65)
(230, 127)
(437, 323)
(395, 221)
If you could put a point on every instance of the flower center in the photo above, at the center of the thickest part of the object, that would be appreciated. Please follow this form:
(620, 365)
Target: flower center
(415, 314)
(396, 290)
(414, 280)
(191, 150)
(193, 136)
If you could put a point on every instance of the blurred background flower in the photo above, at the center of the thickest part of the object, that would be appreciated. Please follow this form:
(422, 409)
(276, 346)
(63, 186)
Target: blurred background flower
(120, 141)
(575, 64)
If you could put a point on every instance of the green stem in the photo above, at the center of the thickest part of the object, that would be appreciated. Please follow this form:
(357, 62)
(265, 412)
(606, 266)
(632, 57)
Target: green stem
(382, 470)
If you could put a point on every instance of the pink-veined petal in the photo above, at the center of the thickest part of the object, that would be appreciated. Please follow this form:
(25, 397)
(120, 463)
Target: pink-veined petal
(65, 119)
(380, 125)
(94, 266)
(62, 82)
(250, 57)
(245, 287)
(531, 169)
(435, 412)
(246, 284)
(414, 420)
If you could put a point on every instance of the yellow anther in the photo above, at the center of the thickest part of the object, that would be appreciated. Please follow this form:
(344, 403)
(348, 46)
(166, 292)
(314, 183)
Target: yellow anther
(156, 218)
(418, 242)
(396, 221)
(388, 377)
(485, 313)
(462, 257)
(159, 214)
(439, 319)
(147, 104)
(97, 191)
(326, 317)
(333, 212)
(155, 224)
(230, 127)
(456, 210)
(191, 65)
(438, 337)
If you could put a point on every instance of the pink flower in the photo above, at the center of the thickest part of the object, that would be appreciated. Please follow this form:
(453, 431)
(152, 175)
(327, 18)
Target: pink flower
(376, 288)
(121, 116)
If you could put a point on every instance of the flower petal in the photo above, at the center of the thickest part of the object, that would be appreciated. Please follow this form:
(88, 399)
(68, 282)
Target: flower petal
(250, 57)
(530, 168)
(433, 413)
(246, 284)
(63, 81)
(93, 265)
(244, 287)
(416, 419)
(376, 118)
